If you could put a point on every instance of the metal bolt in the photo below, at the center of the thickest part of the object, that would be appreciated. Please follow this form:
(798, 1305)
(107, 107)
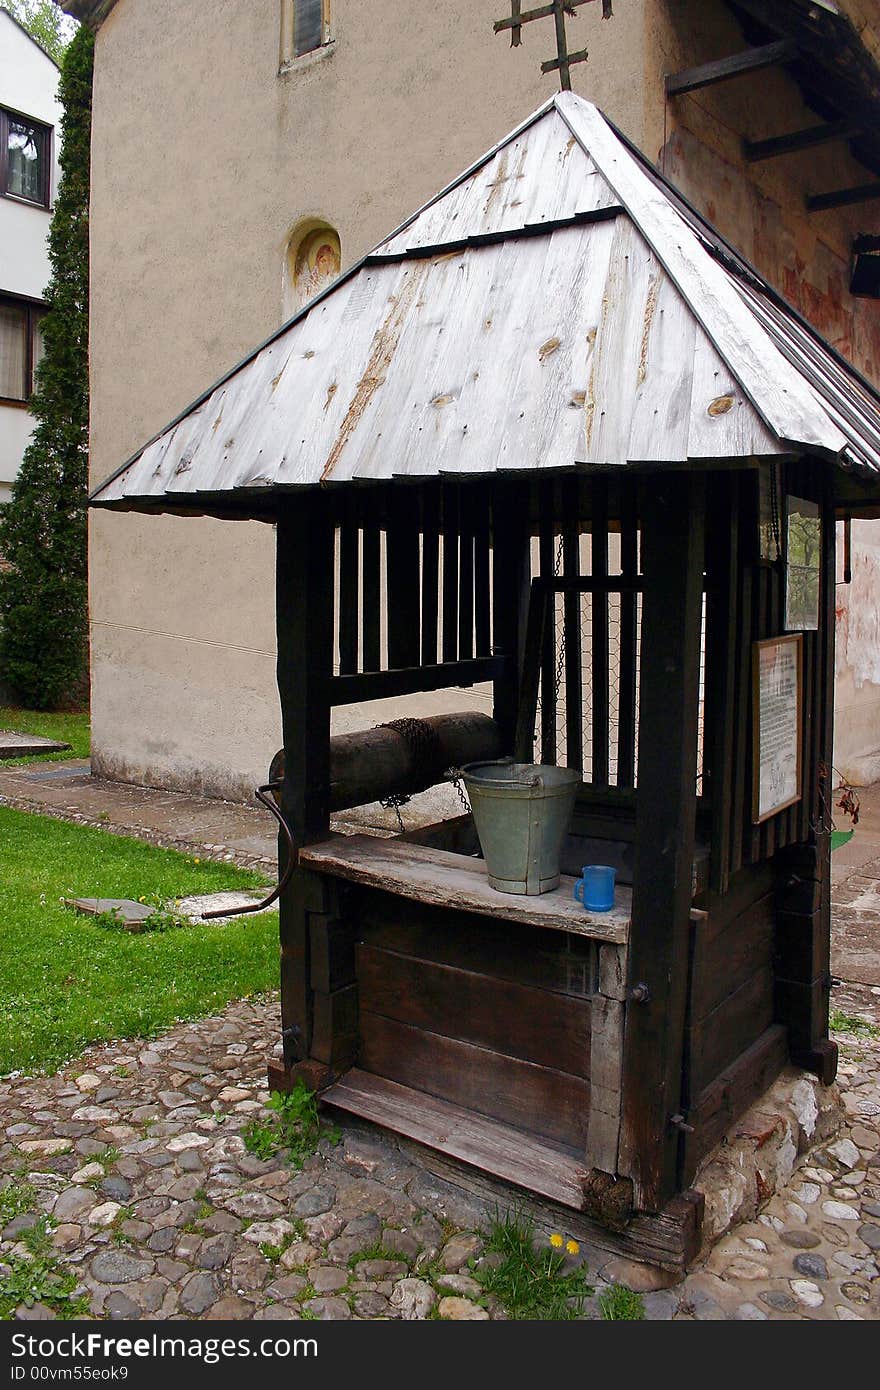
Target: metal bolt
(678, 1122)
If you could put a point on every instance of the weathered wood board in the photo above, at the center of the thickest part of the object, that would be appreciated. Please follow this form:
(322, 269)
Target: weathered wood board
(458, 882)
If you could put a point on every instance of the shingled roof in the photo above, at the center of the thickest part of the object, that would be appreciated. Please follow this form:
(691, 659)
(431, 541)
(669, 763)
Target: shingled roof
(558, 305)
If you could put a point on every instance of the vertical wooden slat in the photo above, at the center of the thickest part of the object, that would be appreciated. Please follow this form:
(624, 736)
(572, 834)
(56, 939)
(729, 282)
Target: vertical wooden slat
(722, 551)
(510, 580)
(740, 811)
(820, 719)
(482, 604)
(547, 563)
(758, 837)
(771, 829)
(372, 606)
(600, 655)
(539, 601)
(626, 706)
(430, 571)
(574, 709)
(804, 807)
(450, 572)
(403, 580)
(304, 624)
(673, 555)
(349, 542)
(466, 576)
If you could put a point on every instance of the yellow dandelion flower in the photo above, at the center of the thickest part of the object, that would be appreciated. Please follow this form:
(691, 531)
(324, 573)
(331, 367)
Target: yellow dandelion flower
(556, 1241)
(572, 1247)
(197, 861)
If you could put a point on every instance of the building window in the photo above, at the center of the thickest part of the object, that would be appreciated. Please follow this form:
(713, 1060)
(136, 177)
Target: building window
(309, 25)
(305, 29)
(21, 347)
(25, 148)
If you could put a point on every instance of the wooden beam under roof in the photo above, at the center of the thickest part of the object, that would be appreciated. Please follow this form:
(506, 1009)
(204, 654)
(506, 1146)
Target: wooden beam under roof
(843, 197)
(723, 69)
(755, 150)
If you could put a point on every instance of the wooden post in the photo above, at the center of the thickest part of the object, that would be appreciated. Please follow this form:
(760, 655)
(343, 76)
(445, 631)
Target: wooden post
(510, 596)
(304, 621)
(673, 524)
(803, 924)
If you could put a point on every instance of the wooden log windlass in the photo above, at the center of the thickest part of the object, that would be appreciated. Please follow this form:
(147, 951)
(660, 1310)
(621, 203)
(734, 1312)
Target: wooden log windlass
(403, 756)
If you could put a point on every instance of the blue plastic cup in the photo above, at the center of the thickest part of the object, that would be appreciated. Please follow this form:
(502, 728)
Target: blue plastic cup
(595, 889)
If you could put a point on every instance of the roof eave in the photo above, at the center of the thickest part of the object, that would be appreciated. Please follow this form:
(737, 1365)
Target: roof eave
(89, 12)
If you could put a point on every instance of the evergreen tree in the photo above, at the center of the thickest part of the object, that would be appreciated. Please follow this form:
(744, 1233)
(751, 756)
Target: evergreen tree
(43, 583)
(45, 22)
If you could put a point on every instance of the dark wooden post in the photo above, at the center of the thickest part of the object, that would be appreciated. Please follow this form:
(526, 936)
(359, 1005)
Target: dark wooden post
(803, 919)
(510, 597)
(673, 524)
(304, 621)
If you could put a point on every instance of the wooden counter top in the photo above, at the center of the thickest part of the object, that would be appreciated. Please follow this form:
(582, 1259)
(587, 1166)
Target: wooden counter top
(458, 881)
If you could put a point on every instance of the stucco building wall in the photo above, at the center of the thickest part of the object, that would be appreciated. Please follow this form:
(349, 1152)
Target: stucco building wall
(205, 159)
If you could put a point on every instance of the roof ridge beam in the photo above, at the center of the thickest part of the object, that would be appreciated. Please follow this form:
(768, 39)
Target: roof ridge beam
(766, 55)
(478, 239)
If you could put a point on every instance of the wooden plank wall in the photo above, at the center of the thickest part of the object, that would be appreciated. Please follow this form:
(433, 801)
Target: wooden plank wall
(495, 1018)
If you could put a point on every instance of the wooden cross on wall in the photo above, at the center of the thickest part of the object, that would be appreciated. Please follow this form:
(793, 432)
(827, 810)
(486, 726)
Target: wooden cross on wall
(558, 9)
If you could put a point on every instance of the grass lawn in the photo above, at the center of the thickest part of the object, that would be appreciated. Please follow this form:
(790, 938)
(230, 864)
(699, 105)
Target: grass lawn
(64, 728)
(66, 981)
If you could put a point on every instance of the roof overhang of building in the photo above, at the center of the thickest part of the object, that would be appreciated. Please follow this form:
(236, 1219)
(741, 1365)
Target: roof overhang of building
(90, 12)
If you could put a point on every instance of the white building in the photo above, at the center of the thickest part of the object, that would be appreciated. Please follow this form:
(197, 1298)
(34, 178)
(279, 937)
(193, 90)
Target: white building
(30, 117)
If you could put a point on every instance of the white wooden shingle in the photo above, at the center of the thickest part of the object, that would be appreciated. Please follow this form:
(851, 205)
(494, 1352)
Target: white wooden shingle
(557, 305)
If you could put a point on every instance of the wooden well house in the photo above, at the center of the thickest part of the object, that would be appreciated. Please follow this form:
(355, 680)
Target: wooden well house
(555, 435)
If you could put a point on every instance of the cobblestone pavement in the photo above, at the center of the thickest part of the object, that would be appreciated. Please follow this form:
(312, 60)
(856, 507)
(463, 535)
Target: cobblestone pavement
(156, 1208)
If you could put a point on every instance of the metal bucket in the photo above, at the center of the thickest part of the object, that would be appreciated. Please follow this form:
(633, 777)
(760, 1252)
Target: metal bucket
(521, 811)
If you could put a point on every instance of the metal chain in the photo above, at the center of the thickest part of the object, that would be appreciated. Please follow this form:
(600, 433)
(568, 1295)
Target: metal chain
(423, 744)
(453, 774)
(774, 510)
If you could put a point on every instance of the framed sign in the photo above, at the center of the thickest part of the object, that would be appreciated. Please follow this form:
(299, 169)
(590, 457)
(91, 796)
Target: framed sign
(803, 550)
(777, 705)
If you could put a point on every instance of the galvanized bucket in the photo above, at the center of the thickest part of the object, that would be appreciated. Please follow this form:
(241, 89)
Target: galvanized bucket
(521, 811)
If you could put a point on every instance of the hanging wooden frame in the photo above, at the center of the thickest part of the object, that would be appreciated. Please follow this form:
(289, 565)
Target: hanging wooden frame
(777, 714)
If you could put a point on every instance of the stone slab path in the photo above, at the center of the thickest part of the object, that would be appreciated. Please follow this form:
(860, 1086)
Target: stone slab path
(156, 1208)
(13, 745)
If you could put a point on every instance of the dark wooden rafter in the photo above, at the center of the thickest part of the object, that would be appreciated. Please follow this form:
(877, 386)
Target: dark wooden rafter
(834, 68)
(557, 10)
(844, 197)
(736, 65)
(807, 139)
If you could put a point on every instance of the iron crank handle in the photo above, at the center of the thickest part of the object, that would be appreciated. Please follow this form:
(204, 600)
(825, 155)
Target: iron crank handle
(260, 794)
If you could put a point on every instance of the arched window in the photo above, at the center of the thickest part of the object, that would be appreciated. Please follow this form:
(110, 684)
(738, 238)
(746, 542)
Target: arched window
(313, 260)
